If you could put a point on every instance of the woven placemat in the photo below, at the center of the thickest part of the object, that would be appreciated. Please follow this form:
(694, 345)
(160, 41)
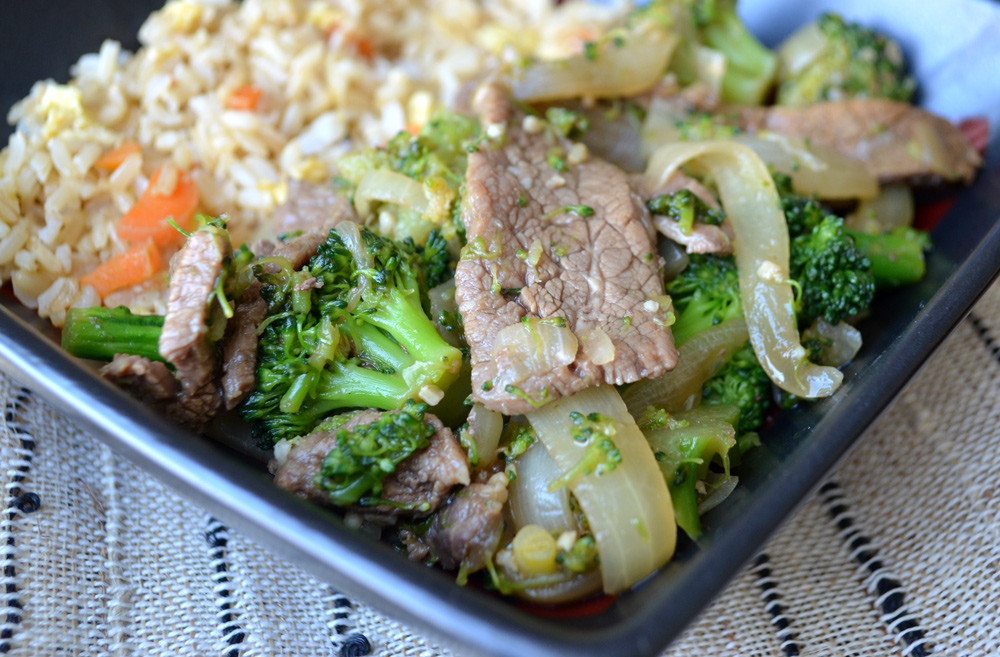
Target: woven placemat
(898, 553)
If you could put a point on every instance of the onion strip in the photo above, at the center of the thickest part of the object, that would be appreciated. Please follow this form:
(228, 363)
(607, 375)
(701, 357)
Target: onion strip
(389, 187)
(698, 360)
(625, 68)
(531, 501)
(628, 509)
(761, 250)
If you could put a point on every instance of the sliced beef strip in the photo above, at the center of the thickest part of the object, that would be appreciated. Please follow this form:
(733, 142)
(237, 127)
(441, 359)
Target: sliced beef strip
(312, 208)
(604, 277)
(466, 533)
(149, 380)
(893, 139)
(183, 342)
(239, 347)
(421, 483)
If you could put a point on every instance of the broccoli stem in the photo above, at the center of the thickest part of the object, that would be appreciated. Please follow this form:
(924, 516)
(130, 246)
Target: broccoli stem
(750, 66)
(100, 333)
(685, 498)
(350, 385)
(897, 258)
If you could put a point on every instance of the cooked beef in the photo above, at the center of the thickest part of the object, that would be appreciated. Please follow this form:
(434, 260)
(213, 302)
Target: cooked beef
(149, 380)
(312, 208)
(467, 531)
(599, 272)
(239, 347)
(298, 250)
(897, 142)
(703, 238)
(419, 485)
(184, 340)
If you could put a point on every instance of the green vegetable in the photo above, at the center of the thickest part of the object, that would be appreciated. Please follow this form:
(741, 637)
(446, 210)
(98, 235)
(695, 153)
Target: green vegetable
(352, 472)
(744, 384)
(685, 208)
(802, 213)
(750, 67)
(602, 455)
(437, 261)
(705, 294)
(100, 333)
(835, 278)
(581, 558)
(567, 123)
(897, 257)
(684, 451)
(836, 59)
(362, 340)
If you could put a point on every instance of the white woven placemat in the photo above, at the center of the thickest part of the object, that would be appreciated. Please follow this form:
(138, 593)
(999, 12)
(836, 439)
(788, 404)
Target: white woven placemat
(898, 554)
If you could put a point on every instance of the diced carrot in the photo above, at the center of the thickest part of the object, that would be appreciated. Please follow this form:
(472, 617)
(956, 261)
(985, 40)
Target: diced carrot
(413, 129)
(364, 47)
(148, 218)
(244, 98)
(134, 266)
(113, 158)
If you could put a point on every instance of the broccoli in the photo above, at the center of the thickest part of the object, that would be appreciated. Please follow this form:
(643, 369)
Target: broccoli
(685, 208)
(100, 333)
(750, 67)
(802, 213)
(602, 455)
(702, 126)
(832, 275)
(357, 337)
(436, 259)
(684, 450)
(834, 278)
(834, 59)
(742, 383)
(352, 472)
(897, 257)
(714, 25)
(706, 293)
(436, 157)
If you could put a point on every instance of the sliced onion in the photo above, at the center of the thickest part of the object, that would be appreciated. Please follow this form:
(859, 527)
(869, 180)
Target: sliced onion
(698, 360)
(389, 187)
(628, 509)
(761, 249)
(892, 208)
(800, 50)
(531, 501)
(442, 299)
(575, 588)
(719, 495)
(841, 342)
(485, 428)
(814, 168)
(626, 70)
(532, 348)
(596, 345)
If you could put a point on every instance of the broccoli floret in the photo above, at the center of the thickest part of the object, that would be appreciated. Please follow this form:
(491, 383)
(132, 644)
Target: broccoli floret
(705, 294)
(602, 455)
(701, 126)
(352, 472)
(685, 208)
(742, 383)
(750, 66)
(834, 59)
(834, 278)
(100, 333)
(684, 450)
(436, 158)
(897, 257)
(714, 24)
(361, 339)
(567, 123)
(802, 213)
(436, 259)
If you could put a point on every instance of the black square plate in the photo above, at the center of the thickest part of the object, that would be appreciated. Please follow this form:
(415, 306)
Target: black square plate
(954, 58)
